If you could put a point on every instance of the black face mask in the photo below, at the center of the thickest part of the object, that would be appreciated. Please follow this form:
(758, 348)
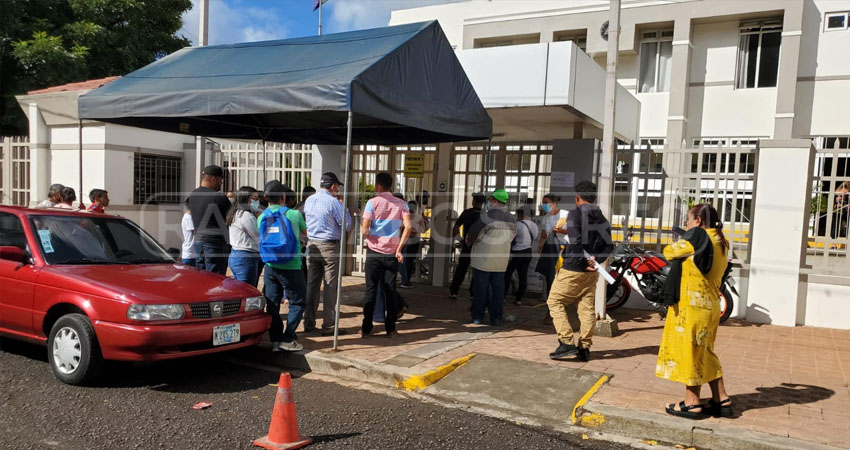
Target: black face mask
(264, 202)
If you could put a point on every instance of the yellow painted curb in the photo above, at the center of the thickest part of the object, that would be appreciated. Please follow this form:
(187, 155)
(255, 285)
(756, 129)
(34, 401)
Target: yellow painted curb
(419, 382)
(592, 419)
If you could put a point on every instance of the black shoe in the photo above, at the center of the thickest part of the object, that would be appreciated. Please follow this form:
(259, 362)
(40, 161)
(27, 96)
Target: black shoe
(496, 322)
(330, 332)
(722, 409)
(563, 351)
(309, 328)
(583, 354)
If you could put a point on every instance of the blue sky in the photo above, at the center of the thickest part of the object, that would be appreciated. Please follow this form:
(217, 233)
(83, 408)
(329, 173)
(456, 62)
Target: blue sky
(260, 20)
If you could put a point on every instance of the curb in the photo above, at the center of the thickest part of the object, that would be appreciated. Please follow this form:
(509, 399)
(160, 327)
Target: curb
(663, 428)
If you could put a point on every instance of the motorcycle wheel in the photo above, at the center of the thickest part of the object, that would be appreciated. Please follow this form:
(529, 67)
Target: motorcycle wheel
(726, 304)
(617, 294)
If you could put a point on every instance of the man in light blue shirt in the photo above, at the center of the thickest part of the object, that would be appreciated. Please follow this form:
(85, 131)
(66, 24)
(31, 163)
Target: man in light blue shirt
(324, 214)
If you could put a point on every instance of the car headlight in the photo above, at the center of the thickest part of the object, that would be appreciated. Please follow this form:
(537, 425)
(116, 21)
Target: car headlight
(255, 303)
(155, 312)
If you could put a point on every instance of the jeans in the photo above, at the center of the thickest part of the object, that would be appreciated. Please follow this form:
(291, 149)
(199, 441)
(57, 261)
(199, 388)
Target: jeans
(244, 266)
(212, 256)
(520, 260)
(380, 268)
(460, 270)
(190, 262)
(488, 290)
(322, 269)
(411, 254)
(292, 281)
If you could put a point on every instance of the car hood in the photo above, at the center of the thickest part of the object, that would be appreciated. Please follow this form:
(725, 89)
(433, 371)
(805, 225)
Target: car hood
(147, 283)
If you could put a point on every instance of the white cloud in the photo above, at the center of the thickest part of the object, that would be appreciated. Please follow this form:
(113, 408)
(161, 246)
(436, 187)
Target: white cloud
(359, 14)
(229, 24)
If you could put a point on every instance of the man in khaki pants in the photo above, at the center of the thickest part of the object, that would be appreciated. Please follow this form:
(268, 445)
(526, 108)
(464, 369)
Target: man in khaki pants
(588, 232)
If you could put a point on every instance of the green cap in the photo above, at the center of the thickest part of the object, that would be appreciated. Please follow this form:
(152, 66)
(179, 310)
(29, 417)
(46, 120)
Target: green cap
(500, 195)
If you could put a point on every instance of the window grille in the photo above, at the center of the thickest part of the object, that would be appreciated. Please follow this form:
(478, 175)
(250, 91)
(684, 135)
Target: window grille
(156, 179)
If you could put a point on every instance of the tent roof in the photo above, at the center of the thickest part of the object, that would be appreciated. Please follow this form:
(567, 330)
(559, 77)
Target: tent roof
(404, 84)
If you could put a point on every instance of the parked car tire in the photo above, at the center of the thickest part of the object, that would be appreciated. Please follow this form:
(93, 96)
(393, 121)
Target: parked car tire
(73, 350)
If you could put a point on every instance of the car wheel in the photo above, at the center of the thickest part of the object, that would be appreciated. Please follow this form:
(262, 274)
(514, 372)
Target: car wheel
(73, 351)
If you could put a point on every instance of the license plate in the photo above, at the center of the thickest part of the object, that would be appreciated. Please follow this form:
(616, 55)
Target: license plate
(226, 334)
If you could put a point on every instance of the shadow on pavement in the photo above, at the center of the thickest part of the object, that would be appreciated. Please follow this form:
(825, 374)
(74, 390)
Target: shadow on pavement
(333, 437)
(782, 395)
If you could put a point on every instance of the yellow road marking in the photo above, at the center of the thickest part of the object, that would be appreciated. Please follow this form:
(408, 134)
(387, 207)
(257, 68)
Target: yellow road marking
(586, 397)
(419, 382)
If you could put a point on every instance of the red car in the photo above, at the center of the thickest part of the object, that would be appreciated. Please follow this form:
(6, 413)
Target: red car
(95, 287)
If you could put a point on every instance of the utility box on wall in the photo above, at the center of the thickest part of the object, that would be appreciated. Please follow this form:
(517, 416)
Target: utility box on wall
(573, 160)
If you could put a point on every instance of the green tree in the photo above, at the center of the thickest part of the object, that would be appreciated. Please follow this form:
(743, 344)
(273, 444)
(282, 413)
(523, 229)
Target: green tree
(48, 42)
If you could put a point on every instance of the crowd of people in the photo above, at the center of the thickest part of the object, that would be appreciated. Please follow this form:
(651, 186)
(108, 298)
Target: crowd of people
(294, 244)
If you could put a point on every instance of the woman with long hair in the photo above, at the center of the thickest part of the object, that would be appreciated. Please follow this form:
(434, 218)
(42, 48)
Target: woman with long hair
(553, 235)
(686, 355)
(244, 237)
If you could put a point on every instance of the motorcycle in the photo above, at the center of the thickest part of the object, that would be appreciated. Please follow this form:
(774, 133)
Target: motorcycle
(650, 270)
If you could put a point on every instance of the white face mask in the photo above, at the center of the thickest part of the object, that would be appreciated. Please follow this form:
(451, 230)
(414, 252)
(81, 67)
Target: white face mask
(231, 200)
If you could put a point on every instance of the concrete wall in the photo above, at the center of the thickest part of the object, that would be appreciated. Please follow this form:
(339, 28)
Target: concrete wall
(826, 305)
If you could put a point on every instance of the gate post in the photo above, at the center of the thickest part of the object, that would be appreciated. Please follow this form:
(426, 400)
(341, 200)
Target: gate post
(778, 238)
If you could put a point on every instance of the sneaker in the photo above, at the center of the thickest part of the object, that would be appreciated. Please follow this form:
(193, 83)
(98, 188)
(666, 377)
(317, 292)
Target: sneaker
(563, 351)
(583, 354)
(476, 322)
(453, 296)
(364, 334)
(276, 346)
(401, 312)
(391, 334)
(405, 286)
(496, 322)
(293, 346)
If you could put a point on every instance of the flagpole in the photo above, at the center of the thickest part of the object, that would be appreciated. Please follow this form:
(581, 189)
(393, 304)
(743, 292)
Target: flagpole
(320, 16)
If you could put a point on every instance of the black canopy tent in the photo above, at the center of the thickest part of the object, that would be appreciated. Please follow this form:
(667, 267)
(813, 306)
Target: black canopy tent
(392, 85)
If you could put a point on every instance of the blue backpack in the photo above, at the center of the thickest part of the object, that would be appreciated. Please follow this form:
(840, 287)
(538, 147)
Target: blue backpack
(278, 243)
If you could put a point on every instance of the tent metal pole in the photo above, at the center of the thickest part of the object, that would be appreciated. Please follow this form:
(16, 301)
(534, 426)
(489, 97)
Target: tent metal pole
(80, 129)
(489, 162)
(342, 239)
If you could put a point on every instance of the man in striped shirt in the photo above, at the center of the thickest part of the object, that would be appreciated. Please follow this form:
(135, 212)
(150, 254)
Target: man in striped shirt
(382, 220)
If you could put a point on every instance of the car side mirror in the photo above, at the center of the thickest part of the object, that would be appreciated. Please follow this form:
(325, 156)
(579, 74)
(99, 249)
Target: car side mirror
(14, 254)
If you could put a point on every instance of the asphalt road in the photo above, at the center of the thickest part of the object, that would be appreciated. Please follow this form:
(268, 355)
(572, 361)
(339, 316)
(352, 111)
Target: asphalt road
(150, 407)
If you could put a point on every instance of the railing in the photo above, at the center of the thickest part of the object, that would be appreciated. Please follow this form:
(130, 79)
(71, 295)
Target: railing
(15, 170)
(828, 238)
(654, 187)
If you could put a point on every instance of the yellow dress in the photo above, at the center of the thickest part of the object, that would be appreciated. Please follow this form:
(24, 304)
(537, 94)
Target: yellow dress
(686, 354)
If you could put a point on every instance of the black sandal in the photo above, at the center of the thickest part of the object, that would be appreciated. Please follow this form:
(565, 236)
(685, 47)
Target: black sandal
(685, 411)
(719, 409)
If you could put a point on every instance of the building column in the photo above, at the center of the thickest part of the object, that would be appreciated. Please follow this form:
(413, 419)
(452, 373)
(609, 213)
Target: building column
(786, 80)
(327, 158)
(680, 79)
(39, 156)
(778, 234)
(441, 214)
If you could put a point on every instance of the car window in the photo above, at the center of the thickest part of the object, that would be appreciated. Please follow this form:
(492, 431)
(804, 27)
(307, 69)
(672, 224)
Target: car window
(12, 231)
(94, 240)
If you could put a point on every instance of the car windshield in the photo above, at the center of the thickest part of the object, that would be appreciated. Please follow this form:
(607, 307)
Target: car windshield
(95, 240)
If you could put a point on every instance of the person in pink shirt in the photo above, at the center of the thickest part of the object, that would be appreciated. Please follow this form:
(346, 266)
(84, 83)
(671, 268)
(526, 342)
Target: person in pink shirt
(383, 217)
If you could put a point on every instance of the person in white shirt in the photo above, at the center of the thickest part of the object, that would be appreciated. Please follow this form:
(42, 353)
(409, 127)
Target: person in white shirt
(244, 238)
(187, 252)
(412, 251)
(526, 235)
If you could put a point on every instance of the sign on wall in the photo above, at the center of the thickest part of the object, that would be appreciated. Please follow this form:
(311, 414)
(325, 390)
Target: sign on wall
(414, 166)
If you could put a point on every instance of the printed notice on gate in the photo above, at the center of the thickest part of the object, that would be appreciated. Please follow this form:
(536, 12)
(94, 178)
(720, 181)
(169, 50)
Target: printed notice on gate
(414, 166)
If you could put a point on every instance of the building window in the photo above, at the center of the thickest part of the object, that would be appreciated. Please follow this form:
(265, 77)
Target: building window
(579, 39)
(758, 54)
(656, 54)
(156, 179)
(835, 21)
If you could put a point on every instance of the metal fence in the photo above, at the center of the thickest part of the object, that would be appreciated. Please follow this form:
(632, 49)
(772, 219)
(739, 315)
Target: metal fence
(15, 170)
(654, 186)
(242, 161)
(828, 238)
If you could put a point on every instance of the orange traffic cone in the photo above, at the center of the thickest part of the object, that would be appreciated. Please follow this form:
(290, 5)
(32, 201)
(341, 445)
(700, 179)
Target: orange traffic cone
(283, 431)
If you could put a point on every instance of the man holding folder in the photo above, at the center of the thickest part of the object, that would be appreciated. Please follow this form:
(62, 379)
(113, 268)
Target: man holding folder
(588, 245)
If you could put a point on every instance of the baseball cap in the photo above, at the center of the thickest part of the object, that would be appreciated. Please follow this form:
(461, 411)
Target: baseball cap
(213, 171)
(329, 179)
(478, 197)
(500, 195)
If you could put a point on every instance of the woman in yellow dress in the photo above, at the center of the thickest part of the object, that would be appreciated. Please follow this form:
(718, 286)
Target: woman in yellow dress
(686, 354)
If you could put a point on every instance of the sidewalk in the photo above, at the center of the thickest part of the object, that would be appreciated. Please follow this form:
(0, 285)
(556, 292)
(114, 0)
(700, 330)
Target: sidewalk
(789, 382)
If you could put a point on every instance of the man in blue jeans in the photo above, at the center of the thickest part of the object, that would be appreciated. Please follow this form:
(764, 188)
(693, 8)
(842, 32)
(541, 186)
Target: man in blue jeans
(490, 238)
(209, 206)
(286, 277)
